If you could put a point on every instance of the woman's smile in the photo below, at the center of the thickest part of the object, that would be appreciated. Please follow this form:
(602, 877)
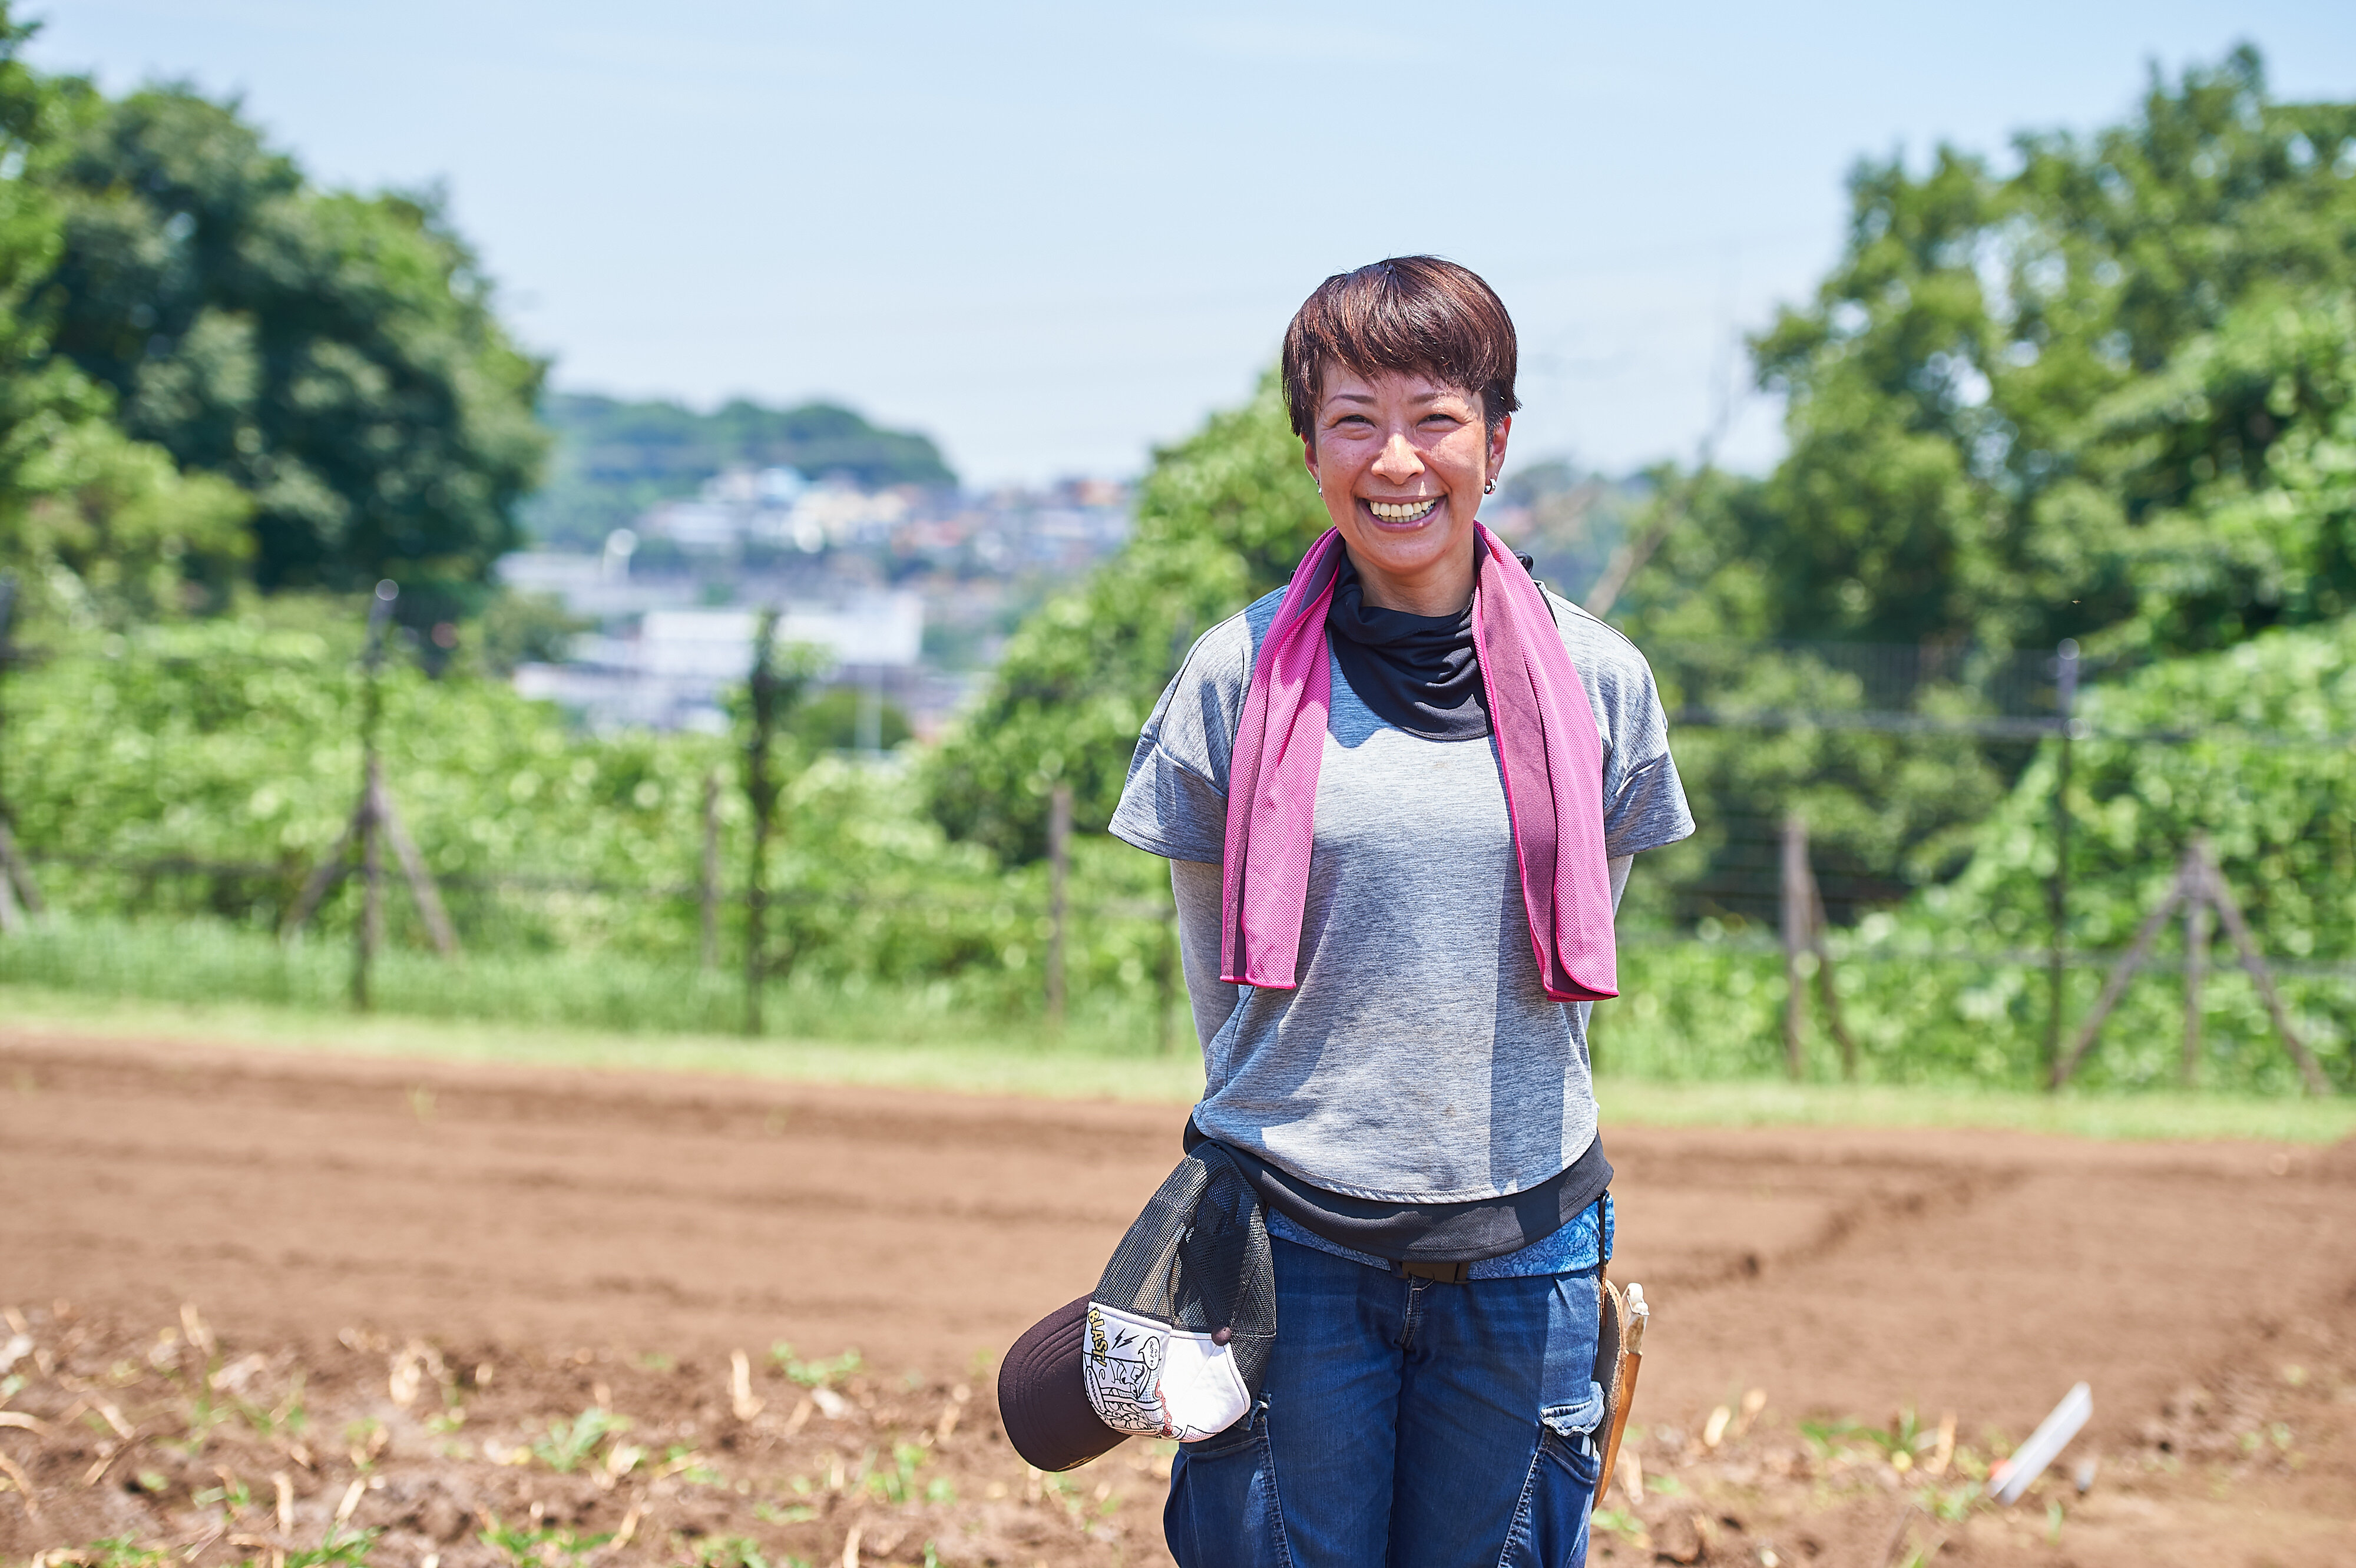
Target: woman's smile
(1406, 512)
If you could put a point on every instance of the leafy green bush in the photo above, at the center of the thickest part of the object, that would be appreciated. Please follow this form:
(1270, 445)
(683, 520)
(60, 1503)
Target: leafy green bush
(232, 746)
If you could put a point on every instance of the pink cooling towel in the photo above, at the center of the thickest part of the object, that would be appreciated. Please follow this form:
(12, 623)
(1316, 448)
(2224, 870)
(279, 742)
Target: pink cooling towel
(1547, 742)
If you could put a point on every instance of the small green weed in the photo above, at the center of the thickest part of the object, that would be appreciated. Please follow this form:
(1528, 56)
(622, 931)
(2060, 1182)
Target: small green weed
(737, 1551)
(898, 1484)
(235, 1497)
(1619, 1521)
(552, 1547)
(1948, 1504)
(337, 1551)
(1824, 1437)
(115, 1552)
(283, 1422)
(822, 1374)
(685, 1462)
(567, 1447)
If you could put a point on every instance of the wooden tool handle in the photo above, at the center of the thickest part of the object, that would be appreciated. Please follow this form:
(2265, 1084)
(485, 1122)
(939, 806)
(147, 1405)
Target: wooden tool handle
(1632, 1361)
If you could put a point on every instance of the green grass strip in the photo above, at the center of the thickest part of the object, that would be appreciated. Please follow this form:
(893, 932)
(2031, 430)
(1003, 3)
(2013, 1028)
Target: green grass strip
(1081, 1070)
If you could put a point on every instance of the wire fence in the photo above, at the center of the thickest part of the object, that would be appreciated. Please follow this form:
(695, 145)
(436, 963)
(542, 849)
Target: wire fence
(1837, 786)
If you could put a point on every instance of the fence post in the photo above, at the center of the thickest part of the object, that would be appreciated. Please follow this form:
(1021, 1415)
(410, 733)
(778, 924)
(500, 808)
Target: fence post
(1796, 919)
(708, 889)
(2057, 892)
(2196, 959)
(1059, 866)
(19, 896)
(369, 935)
(763, 692)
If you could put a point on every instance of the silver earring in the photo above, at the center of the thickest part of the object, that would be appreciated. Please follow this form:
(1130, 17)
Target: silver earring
(1490, 489)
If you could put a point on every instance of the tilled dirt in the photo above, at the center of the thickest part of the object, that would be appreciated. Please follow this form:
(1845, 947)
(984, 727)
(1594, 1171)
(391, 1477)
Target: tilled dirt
(225, 1267)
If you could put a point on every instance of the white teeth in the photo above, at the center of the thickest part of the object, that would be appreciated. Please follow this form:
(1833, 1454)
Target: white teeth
(1406, 511)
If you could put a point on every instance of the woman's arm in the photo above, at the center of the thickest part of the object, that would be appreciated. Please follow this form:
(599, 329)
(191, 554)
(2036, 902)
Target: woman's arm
(1196, 885)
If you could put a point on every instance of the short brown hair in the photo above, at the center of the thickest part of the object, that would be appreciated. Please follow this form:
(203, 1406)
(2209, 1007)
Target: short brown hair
(1416, 315)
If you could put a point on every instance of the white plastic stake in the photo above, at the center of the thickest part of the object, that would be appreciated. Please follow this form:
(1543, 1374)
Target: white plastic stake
(2009, 1479)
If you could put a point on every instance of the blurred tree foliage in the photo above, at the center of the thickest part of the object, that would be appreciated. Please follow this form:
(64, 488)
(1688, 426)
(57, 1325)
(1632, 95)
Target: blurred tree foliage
(335, 357)
(230, 747)
(1222, 518)
(615, 459)
(2103, 395)
(2023, 407)
(93, 523)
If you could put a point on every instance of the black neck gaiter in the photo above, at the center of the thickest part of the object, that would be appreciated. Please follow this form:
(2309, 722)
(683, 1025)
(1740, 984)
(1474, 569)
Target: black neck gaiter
(1416, 673)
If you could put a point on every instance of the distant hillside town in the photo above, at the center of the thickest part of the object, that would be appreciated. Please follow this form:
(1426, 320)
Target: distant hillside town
(664, 532)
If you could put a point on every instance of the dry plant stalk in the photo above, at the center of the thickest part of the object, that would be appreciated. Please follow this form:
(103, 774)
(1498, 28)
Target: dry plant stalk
(1946, 1448)
(741, 1399)
(24, 1484)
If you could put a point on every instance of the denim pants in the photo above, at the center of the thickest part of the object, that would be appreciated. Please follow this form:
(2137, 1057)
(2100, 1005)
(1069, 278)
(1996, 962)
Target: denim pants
(1406, 1422)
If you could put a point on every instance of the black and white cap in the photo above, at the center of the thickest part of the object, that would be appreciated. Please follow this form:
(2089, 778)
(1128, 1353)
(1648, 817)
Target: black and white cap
(1174, 1341)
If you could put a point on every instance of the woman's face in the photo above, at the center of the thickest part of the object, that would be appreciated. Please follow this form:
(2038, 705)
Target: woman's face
(1401, 461)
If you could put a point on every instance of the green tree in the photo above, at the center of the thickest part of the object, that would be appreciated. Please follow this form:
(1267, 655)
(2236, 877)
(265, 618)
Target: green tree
(335, 356)
(2018, 402)
(1221, 518)
(2105, 395)
(92, 522)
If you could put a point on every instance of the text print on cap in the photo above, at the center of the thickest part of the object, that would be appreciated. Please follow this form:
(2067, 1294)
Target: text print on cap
(1145, 1377)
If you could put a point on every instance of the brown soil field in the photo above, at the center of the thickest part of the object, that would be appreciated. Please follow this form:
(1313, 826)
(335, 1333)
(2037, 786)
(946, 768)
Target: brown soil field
(250, 1294)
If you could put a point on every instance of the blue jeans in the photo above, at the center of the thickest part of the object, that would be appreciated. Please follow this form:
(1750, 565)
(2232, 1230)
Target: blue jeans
(1405, 1423)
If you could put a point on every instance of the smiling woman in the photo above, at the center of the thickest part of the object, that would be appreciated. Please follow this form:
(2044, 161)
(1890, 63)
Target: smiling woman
(1400, 801)
(1401, 389)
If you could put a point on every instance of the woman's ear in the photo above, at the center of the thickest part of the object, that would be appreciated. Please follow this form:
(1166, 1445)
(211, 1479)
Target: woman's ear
(1497, 444)
(1309, 459)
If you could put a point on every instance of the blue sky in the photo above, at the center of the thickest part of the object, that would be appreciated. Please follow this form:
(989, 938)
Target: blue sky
(1054, 235)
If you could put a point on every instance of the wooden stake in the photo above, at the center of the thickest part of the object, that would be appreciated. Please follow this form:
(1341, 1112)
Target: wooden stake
(2196, 959)
(17, 873)
(2117, 986)
(1797, 921)
(1825, 991)
(2199, 887)
(321, 880)
(370, 935)
(2244, 944)
(412, 867)
(12, 919)
(768, 698)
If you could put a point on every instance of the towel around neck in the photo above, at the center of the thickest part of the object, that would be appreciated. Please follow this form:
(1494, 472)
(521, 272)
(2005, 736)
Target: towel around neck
(1548, 750)
(1416, 673)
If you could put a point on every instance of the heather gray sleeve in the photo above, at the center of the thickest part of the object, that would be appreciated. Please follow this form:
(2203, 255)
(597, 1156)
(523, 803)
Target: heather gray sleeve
(1196, 885)
(1643, 802)
(1175, 802)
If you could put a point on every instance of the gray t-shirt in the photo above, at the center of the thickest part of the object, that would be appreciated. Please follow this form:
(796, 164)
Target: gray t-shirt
(1420, 1058)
